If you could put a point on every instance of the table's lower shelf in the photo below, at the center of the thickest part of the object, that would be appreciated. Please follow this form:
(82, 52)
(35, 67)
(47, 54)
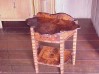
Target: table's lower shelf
(53, 64)
(51, 57)
(48, 64)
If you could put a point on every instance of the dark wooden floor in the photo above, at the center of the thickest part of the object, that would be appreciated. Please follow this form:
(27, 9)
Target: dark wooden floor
(16, 51)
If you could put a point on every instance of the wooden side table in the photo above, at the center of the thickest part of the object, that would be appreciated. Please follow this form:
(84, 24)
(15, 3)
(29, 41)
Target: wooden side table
(63, 37)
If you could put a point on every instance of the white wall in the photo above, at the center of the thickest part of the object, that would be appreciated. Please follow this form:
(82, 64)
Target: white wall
(76, 8)
(95, 15)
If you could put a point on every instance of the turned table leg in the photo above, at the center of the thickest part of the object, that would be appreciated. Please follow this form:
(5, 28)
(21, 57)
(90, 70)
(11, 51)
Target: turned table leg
(61, 55)
(34, 49)
(74, 47)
